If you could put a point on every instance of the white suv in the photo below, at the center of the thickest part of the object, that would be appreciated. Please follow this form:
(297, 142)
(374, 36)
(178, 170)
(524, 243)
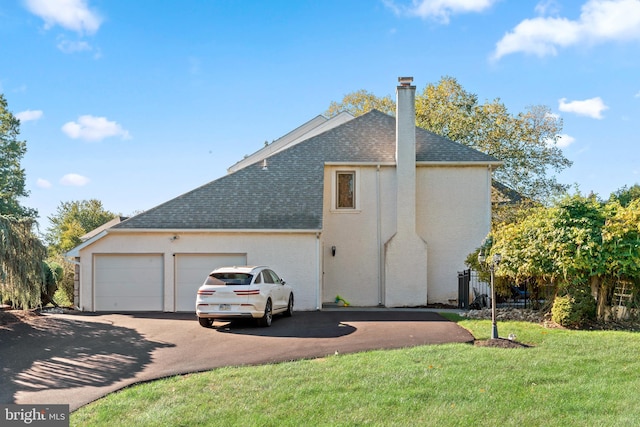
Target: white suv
(237, 292)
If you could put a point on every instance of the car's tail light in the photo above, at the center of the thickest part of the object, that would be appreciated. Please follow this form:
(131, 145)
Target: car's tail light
(247, 292)
(205, 292)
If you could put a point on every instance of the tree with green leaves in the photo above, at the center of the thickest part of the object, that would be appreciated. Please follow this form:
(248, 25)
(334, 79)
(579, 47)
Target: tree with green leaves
(577, 244)
(72, 220)
(626, 195)
(53, 274)
(21, 252)
(12, 176)
(65, 279)
(525, 142)
(360, 102)
(21, 268)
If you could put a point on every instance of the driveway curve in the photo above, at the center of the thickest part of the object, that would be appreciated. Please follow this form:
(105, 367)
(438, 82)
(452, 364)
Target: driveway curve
(77, 358)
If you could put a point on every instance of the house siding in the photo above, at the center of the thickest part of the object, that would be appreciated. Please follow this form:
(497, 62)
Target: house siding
(294, 256)
(354, 272)
(453, 208)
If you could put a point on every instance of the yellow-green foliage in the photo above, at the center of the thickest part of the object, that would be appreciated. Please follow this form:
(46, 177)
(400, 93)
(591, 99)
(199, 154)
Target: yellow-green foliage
(71, 221)
(574, 309)
(577, 240)
(64, 280)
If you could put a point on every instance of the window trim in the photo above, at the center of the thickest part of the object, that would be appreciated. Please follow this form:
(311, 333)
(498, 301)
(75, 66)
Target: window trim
(355, 172)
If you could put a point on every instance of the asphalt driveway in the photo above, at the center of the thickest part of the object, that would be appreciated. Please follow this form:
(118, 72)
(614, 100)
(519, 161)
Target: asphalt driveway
(77, 358)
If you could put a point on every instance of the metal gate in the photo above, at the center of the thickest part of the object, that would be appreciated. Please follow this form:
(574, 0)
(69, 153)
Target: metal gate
(471, 287)
(464, 278)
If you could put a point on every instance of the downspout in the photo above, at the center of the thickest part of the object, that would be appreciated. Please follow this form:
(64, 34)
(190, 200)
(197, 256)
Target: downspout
(489, 186)
(379, 241)
(93, 283)
(318, 272)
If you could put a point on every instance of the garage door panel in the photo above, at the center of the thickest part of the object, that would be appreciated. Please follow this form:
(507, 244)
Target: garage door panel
(128, 282)
(128, 303)
(192, 270)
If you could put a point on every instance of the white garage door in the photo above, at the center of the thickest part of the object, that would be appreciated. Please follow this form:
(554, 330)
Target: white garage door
(192, 270)
(129, 282)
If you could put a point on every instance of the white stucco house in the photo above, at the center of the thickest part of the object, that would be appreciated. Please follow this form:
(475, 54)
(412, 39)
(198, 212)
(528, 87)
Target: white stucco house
(370, 208)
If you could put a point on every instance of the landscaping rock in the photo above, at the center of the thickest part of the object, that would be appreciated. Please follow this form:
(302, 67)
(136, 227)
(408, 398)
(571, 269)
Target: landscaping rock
(503, 314)
(536, 316)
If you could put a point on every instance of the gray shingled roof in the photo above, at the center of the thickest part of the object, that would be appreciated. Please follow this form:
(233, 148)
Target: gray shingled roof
(289, 194)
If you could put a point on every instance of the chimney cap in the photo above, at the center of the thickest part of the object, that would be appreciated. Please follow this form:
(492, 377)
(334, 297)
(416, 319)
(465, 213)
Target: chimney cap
(405, 81)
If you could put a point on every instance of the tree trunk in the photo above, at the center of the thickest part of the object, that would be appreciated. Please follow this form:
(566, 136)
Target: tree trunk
(600, 290)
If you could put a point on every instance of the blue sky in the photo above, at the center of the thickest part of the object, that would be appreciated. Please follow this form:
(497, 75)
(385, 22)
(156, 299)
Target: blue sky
(136, 102)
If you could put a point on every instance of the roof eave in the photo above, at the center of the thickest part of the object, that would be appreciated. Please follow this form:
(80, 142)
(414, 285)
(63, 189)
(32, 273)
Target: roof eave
(421, 163)
(454, 163)
(216, 230)
(75, 252)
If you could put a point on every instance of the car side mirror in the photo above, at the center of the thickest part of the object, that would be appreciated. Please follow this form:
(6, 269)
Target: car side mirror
(282, 282)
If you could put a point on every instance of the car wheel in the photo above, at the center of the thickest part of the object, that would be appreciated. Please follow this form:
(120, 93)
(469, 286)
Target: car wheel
(289, 311)
(205, 322)
(267, 318)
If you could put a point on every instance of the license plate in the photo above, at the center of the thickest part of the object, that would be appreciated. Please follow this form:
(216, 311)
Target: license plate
(225, 307)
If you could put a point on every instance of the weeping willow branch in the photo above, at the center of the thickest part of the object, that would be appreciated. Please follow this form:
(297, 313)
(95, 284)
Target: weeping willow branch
(21, 256)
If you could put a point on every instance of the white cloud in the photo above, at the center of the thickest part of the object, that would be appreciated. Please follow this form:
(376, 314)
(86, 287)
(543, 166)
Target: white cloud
(547, 7)
(74, 180)
(43, 183)
(612, 19)
(29, 115)
(561, 141)
(90, 128)
(565, 140)
(67, 46)
(589, 107)
(540, 36)
(73, 15)
(600, 21)
(440, 10)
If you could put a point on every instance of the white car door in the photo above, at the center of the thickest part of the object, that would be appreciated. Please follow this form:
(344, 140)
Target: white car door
(277, 293)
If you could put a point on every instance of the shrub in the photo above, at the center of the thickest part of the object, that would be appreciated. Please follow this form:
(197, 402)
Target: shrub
(574, 309)
(60, 298)
(52, 273)
(65, 281)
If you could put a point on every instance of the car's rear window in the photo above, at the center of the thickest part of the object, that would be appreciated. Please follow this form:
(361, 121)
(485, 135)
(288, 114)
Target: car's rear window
(233, 278)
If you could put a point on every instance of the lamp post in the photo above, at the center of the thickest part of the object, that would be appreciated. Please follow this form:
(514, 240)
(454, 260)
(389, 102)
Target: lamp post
(492, 266)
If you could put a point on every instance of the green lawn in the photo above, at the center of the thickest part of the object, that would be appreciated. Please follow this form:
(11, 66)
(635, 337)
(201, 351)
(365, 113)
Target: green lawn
(567, 378)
